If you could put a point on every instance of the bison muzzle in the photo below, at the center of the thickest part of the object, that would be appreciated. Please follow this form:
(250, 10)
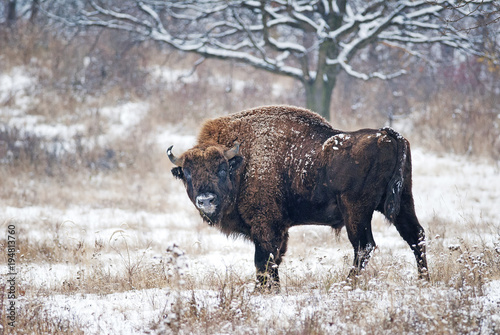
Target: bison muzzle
(261, 171)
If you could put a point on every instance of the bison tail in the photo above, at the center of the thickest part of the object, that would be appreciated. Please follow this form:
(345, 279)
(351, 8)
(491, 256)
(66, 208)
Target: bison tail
(395, 186)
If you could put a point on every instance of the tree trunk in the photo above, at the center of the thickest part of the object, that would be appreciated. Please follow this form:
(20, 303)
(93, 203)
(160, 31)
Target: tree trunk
(319, 88)
(35, 6)
(319, 96)
(11, 12)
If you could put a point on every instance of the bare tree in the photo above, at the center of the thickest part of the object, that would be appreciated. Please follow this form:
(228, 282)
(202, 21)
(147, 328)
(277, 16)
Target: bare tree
(11, 12)
(488, 12)
(35, 6)
(310, 41)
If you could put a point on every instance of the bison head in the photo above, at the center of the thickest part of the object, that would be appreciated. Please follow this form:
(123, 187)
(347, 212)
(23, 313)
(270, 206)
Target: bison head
(209, 175)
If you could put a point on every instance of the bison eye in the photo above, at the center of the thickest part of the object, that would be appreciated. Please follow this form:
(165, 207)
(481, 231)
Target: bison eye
(222, 172)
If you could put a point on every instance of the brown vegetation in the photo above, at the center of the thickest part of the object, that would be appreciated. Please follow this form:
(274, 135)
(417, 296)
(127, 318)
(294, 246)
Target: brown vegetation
(131, 173)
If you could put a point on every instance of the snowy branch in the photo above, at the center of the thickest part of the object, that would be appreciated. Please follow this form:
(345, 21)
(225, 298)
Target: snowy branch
(364, 76)
(270, 34)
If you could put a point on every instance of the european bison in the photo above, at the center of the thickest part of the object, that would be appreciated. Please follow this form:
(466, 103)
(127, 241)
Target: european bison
(261, 171)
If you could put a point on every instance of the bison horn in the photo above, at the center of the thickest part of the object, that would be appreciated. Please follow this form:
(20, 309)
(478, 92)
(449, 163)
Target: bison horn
(176, 161)
(229, 154)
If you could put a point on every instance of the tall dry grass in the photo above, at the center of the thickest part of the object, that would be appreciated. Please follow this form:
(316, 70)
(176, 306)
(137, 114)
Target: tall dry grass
(386, 299)
(132, 173)
(452, 109)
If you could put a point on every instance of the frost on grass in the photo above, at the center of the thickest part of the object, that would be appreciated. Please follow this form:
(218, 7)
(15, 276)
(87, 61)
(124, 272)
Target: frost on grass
(188, 278)
(170, 273)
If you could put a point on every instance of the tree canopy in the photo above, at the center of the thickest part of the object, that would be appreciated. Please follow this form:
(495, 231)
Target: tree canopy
(310, 41)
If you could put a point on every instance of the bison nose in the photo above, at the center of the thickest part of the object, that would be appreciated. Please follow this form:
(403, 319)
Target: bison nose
(206, 202)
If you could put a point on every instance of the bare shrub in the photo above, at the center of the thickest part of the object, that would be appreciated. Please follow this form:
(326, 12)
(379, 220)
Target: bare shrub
(451, 123)
(447, 108)
(26, 151)
(34, 318)
(77, 77)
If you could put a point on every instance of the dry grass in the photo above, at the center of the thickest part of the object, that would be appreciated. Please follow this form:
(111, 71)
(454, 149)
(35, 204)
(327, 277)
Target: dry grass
(35, 319)
(388, 298)
(432, 112)
(93, 256)
(467, 126)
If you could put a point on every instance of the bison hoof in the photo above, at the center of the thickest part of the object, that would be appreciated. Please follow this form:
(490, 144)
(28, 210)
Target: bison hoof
(353, 274)
(272, 288)
(424, 274)
(267, 284)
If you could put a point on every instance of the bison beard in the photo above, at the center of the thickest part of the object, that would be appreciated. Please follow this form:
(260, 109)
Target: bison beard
(261, 171)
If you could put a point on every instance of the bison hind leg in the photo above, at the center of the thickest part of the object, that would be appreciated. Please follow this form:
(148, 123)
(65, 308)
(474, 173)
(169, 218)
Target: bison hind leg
(357, 218)
(413, 233)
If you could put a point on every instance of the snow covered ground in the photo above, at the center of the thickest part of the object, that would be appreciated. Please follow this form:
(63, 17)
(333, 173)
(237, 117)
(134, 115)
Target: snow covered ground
(461, 194)
(210, 277)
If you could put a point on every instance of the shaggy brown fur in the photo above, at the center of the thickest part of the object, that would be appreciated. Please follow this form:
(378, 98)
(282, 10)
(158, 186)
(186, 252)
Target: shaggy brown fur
(292, 168)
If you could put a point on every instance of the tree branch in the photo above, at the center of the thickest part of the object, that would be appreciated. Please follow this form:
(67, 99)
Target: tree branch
(286, 37)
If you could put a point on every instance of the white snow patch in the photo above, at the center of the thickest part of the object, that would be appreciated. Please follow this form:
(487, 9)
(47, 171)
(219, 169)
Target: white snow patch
(34, 124)
(177, 78)
(173, 76)
(14, 84)
(455, 189)
(181, 142)
(124, 117)
(128, 312)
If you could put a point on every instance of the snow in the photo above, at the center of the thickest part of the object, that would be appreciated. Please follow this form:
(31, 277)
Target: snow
(454, 196)
(34, 124)
(124, 117)
(288, 46)
(173, 75)
(119, 313)
(181, 142)
(60, 136)
(335, 141)
(176, 78)
(457, 189)
(14, 84)
(443, 186)
(326, 5)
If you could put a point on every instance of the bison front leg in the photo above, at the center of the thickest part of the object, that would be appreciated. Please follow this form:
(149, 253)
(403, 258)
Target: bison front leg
(267, 269)
(361, 257)
(268, 256)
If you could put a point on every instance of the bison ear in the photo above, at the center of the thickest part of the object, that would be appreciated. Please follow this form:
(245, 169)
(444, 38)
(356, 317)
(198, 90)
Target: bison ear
(235, 163)
(177, 172)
